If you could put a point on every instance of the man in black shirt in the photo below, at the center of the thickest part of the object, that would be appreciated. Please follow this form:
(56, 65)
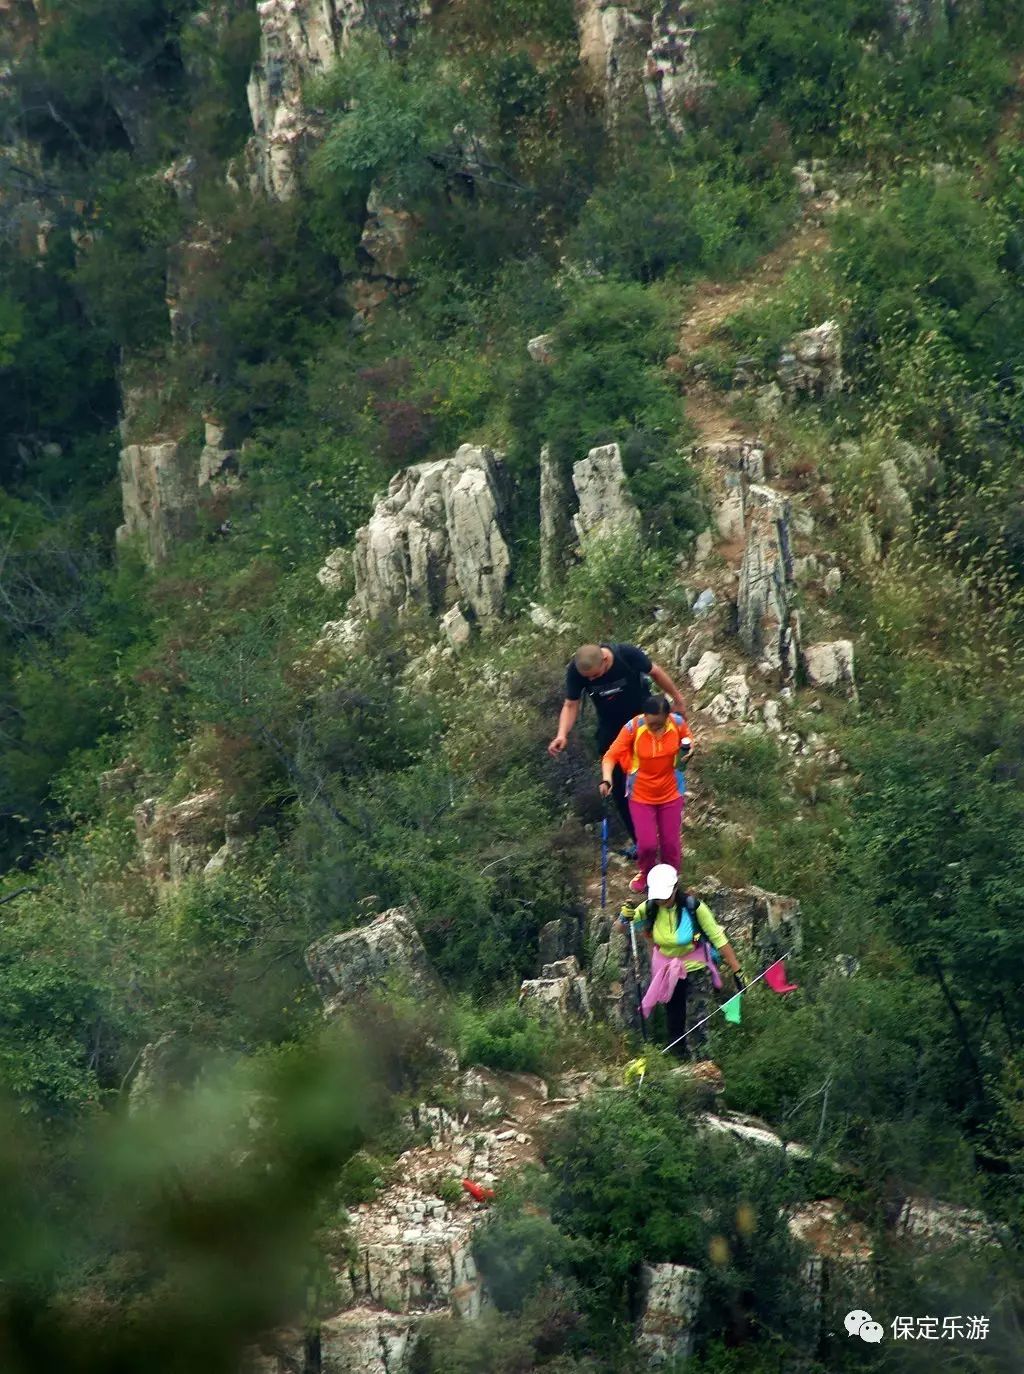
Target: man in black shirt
(614, 677)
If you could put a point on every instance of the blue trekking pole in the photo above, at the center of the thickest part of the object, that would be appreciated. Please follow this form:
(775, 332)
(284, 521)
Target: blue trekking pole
(604, 855)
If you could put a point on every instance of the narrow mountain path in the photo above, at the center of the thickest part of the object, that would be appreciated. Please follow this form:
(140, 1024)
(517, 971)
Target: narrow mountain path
(715, 301)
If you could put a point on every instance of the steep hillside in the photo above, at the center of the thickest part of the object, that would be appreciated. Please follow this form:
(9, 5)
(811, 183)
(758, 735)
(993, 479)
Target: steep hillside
(359, 361)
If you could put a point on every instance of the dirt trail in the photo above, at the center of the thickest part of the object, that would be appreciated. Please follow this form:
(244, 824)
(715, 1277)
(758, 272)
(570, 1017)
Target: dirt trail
(714, 302)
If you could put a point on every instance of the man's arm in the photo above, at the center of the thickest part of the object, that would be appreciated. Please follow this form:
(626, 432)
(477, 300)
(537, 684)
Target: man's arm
(566, 720)
(669, 688)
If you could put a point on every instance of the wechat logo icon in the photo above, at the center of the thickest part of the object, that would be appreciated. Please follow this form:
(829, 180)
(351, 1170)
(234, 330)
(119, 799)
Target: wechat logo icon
(860, 1323)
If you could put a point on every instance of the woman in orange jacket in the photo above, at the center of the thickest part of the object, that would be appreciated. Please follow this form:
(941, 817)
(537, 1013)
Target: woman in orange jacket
(650, 749)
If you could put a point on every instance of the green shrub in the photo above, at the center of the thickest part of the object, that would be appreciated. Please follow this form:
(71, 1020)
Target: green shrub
(517, 1255)
(743, 768)
(507, 1037)
(659, 215)
(621, 1167)
(621, 578)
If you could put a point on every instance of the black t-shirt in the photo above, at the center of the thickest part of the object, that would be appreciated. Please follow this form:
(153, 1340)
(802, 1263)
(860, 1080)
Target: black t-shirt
(618, 694)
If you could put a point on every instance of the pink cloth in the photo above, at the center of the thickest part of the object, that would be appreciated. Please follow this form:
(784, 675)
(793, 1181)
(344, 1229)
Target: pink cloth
(666, 971)
(657, 827)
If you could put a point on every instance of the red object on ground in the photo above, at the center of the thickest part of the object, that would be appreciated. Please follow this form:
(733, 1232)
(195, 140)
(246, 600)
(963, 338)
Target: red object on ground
(476, 1192)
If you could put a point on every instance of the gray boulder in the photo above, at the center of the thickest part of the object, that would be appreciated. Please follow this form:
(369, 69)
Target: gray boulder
(831, 665)
(386, 954)
(560, 992)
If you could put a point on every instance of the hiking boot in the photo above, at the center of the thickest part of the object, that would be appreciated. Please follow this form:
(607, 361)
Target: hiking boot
(630, 852)
(638, 884)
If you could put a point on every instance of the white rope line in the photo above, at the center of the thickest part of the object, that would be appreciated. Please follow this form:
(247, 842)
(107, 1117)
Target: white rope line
(724, 1004)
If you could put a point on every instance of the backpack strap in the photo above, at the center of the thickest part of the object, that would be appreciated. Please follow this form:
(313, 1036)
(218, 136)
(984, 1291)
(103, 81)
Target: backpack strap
(638, 726)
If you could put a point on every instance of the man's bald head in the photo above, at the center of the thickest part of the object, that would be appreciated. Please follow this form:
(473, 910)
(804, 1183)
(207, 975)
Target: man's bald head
(590, 660)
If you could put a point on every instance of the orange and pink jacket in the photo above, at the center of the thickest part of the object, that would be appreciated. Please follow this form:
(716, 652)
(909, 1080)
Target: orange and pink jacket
(649, 760)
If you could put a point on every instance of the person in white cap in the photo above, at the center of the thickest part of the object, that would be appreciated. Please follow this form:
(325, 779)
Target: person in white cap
(688, 943)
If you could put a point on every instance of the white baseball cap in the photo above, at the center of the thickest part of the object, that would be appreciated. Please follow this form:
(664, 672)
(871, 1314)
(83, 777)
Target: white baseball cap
(661, 882)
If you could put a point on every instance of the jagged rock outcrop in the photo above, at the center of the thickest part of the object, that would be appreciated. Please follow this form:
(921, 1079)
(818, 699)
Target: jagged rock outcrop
(153, 1072)
(732, 464)
(179, 841)
(159, 496)
(410, 1252)
(940, 1225)
(436, 538)
(190, 263)
(604, 504)
(674, 81)
(765, 622)
(614, 39)
(387, 234)
(560, 991)
(634, 55)
(347, 968)
(299, 40)
(218, 461)
(766, 923)
(368, 1341)
(556, 502)
(671, 1295)
(559, 939)
(840, 1248)
(285, 1352)
(236, 841)
(812, 362)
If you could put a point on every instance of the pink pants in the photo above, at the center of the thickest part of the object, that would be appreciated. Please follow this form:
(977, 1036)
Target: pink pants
(657, 828)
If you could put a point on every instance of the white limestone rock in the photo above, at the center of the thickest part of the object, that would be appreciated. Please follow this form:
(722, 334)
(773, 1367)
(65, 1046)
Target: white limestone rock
(563, 996)
(671, 1295)
(831, 665)
(368, 1341)
(177, 842)
(300, 40)
(765, 622)
(436, 538)
(541, 349)
(159, 493)
(732, 702)
(750, 1131)
(556, 503)
(941, 1225)
(457, 629)
(605, 505)
(708, 667)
